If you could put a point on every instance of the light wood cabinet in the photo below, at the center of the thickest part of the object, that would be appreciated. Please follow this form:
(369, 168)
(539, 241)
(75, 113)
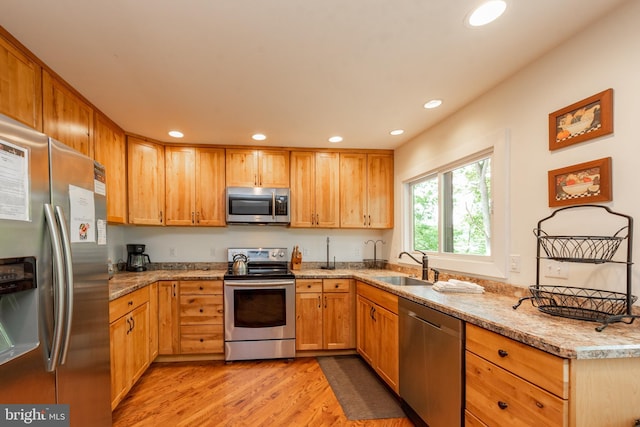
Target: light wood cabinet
(66, 117)
(110, 149)
(315, 189)
(325, 317)
(366, 190)
(168, 317)
(257, 168)
(145, 170)
(129, 341)
(201, 317)
(153, 321)
(195, 183)
(377, 332)
(511, 383)
(21, 83)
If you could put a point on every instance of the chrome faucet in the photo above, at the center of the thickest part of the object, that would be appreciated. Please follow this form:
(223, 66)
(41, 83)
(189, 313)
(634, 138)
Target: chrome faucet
(425, 263)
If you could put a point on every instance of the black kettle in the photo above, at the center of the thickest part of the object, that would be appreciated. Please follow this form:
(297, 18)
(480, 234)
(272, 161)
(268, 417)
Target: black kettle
(239, 267)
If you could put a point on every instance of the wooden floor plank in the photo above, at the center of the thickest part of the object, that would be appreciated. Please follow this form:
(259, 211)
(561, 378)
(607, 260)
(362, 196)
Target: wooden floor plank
(258, 393)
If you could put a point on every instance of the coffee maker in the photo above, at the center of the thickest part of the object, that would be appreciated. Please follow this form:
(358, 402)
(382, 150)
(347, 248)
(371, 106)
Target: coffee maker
(136, 258)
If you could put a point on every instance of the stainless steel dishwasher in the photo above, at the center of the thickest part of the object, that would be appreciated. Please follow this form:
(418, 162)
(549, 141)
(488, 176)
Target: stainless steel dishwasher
(431, 365)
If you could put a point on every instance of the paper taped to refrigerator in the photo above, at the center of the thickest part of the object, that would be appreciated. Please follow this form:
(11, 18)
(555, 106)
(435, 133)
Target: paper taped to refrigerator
(14, 181)
(82, 215)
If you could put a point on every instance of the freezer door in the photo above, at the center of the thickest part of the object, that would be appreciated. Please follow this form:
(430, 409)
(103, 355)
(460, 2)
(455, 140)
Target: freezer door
(24, 179)
(83, 380)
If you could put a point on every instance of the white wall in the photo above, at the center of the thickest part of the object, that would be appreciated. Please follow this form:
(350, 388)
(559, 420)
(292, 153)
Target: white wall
(605, 55)
(209, 244)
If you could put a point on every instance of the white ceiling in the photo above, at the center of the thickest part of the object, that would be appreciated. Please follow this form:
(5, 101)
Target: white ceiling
(299, 71)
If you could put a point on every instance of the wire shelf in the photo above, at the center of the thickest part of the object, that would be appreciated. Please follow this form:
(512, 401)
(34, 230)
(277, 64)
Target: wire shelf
(579, 303)
(585, 249)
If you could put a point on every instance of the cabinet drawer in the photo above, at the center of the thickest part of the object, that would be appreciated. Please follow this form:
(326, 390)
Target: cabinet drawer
(201, 339)
(201, 309)
(498, 397)
(471, 420)
(200, 287)
(543, 369)
(336, 285)
(308, 285)
(121, 306)
(382, 298)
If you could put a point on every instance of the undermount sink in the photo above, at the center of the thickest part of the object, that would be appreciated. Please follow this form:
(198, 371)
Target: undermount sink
(402, 281)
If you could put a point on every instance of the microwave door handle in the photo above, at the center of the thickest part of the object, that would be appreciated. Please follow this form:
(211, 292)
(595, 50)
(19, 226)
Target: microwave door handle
(273, 205)
(58, 285)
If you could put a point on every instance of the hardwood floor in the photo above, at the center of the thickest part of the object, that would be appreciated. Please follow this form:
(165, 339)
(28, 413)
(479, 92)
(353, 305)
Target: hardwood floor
(262, 393)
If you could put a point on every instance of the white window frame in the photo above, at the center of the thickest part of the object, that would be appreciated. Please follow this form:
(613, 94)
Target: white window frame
(494, 265)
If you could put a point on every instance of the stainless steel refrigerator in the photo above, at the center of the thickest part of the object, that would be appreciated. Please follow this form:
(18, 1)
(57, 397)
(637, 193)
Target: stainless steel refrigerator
(54, 304)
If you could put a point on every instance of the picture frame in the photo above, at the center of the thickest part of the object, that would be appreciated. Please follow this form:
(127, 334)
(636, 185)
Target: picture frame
(584, 120)
(581, 183)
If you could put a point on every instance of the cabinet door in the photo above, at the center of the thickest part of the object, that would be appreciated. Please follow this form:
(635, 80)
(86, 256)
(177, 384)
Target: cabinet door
(273, 168)
(168, 320)
(242, 167)
(353, 190)
(66, 117)
(309, 321)
(110, 150)
(145, 169)
(138, 342)
(303, 194)
(380, 191)
(153, 321)
(210, 187)
(180, 185)
(327, 190)
(337, 320)
(20, 80)
(387, 337)
(366, 336)
(118, 334)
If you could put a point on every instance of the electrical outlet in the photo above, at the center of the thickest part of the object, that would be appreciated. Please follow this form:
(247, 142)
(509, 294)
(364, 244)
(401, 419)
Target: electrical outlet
(356, 252)
(556, 269)
(514, 263)
(173, 252)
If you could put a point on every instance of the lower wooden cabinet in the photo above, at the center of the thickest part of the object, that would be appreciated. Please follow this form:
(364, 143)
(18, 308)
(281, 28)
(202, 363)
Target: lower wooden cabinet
(190, 317)
(325, 317)
(377, 332)
(129, 340)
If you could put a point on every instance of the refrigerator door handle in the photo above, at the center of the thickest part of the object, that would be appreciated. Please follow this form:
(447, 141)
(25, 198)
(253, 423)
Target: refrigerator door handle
(59, 298)
(68, 268)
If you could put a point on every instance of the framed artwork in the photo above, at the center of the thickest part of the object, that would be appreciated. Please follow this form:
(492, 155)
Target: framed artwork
(587, 119)
(582, 183)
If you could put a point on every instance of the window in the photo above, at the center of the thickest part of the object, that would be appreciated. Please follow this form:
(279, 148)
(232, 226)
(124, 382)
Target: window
(462, 193)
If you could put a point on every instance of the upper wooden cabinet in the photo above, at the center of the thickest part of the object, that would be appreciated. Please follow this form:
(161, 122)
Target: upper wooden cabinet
(315, 185)
(145, 170)
(20, 86)
(110, 149)
(366, 190)
(195, 182)
(66, 117)
(257, 168)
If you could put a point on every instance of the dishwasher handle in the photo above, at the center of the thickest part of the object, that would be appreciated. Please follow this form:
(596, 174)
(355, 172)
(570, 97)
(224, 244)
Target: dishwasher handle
(431, 324)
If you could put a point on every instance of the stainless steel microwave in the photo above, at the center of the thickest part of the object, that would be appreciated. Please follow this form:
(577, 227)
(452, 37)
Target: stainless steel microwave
(258, 205)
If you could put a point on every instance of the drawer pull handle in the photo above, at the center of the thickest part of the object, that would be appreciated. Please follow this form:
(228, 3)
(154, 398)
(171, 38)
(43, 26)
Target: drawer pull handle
(130, 303)
(503, 353)
(201, 288)
(539, 405)
(201, 311)
(502, 405)
(201, 339)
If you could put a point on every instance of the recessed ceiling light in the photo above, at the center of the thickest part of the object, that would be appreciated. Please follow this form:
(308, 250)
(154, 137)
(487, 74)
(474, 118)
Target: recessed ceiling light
(486, 13)
(335, 139)
(259, 137)
(176, 133)
(434, 103)
(397, 132)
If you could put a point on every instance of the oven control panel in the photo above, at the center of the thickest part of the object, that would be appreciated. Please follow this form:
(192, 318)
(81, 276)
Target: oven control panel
(259, 254)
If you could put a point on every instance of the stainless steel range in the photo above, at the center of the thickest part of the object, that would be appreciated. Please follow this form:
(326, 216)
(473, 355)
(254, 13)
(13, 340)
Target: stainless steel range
(259, 306)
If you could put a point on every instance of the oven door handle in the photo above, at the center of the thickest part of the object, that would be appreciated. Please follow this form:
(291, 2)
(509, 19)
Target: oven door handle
(261, 283)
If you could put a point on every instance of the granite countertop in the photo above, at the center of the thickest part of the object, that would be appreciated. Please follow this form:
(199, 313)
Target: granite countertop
(573, 339)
